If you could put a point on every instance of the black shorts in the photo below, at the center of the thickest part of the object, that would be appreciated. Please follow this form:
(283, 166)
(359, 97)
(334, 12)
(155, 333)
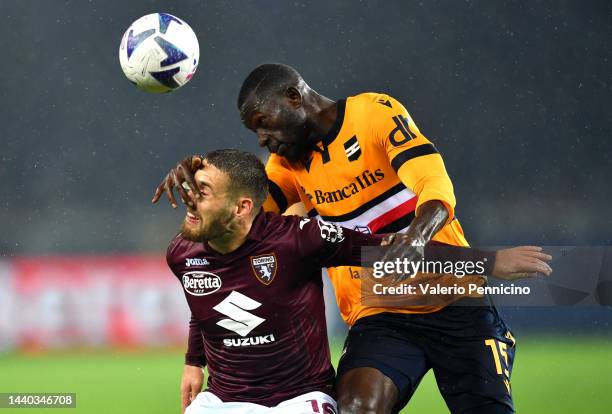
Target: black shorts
(469, 348)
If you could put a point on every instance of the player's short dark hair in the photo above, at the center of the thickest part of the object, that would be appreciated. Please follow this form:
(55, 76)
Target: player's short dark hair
(246, 173)
(267, 79)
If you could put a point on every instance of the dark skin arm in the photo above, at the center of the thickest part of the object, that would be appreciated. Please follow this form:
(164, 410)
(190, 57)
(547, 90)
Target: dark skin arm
(430, 218)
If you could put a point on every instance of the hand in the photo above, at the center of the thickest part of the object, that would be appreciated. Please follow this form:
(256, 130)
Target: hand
(184, 172)
(521, 262)
(191, 385)
(405, 248)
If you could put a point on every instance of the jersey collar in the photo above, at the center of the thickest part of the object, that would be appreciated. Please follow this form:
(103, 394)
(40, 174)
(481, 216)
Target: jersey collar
(335, 129)
(258, 226)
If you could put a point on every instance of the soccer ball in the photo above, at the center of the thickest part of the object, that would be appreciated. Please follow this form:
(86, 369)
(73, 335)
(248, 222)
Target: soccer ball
(159, 53)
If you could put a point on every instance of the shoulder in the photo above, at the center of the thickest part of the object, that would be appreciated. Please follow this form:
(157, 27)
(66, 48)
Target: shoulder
(177, 249)
(277, 162)
(278, 224)
(286, 228)
(372, 101)
(308, 227)
(372, 112)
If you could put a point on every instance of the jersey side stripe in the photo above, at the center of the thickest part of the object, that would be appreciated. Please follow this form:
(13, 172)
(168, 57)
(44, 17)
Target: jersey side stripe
(377, 211)
(411, 153)
(398, 226)
(393, 215)
(278, 196)
(369, 205)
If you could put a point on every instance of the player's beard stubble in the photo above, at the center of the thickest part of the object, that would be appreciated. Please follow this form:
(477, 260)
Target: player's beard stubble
(214, 227)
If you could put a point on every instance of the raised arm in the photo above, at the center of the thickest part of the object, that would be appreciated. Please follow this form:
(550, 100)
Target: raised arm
(331, 245)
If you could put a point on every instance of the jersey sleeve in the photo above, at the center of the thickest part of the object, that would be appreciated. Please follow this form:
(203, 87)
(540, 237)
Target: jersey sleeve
(413, 157)
(329, 245)
(195, 345)
(171, 252)
(281, 183)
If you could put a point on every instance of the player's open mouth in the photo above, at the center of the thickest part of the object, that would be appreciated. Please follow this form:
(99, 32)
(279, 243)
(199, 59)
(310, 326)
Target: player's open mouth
(192, 218)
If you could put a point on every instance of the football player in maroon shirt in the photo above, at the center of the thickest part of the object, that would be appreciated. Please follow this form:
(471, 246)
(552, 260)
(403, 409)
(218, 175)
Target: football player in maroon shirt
(253, 284)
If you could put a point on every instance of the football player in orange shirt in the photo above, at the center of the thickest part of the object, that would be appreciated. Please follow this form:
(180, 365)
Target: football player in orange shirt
(362, 163)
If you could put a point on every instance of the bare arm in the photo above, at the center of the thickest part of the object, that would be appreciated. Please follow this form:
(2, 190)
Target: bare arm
(430, 218)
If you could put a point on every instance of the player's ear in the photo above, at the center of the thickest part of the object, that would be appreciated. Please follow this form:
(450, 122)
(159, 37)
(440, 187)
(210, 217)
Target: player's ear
(244, 207)
(294, 96)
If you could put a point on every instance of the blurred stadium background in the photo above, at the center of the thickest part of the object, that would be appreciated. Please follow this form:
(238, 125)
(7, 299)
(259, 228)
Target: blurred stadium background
(515, 95)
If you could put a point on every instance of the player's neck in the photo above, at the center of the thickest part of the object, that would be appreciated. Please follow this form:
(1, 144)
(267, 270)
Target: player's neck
(233, 239)
(322, 114)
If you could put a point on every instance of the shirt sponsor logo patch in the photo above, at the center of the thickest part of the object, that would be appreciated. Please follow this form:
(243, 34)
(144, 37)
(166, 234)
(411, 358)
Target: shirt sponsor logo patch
(196, 262)
(363, 229)
(252, 340)
(201, 283)
(331, 233)
(303, 222)
(352, 149)
(264, 267)
(362, 182)
(236, 307)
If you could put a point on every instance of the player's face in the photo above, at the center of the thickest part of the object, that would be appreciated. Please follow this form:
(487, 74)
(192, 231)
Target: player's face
(213, 214)
(279, 127)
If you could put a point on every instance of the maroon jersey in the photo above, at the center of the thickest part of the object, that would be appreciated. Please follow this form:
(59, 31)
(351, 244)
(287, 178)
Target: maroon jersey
(260, 308)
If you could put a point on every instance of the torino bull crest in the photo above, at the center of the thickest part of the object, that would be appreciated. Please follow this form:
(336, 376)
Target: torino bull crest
(264, 267)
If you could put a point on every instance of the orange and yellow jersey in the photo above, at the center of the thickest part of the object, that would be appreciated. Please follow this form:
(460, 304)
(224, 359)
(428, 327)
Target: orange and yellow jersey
(370, 173)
